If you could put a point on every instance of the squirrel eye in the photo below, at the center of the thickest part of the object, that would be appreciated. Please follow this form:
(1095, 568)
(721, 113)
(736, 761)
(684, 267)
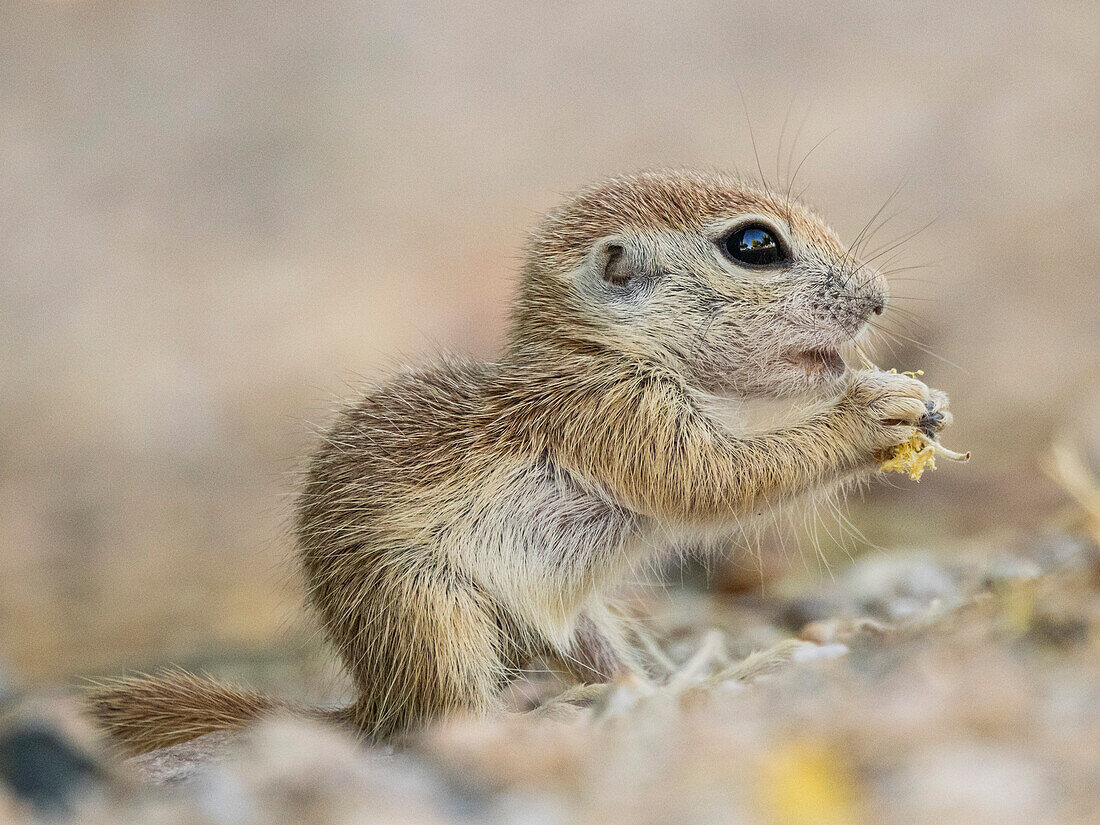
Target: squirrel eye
(754, 245)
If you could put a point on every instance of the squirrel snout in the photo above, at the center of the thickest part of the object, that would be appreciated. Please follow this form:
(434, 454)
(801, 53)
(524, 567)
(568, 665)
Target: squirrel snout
(872, 303)
(854, 295)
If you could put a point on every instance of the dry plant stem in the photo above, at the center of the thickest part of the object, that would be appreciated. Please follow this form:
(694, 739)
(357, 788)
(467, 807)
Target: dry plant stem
(941, 450)
(1065, 467)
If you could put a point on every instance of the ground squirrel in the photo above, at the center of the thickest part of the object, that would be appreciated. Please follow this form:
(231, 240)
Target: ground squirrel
(465, 518)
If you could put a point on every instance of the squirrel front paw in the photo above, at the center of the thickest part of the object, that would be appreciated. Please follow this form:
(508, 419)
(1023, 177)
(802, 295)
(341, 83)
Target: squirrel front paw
(886, 409)
(937, 417)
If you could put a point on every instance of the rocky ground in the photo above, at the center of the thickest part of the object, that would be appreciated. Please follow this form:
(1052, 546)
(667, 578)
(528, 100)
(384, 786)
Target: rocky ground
(958, 686)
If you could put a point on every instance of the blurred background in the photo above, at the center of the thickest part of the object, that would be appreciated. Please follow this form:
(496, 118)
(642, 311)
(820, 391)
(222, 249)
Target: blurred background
(218, 216)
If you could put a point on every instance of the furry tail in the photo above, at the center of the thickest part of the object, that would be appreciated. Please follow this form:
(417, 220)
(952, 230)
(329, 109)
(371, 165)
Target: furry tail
(144, 713)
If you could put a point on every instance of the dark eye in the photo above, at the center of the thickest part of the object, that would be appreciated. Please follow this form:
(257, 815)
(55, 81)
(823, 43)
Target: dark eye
(754, 245)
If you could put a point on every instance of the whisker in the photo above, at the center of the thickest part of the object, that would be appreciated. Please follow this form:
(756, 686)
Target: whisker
(926, 281)
(918, 344)
(886, 339)
(782, 134)
(890, 271)
(794, 145)
(874, 217)
(794, 177)
(752, 137)
(895, 244)
(870, 236)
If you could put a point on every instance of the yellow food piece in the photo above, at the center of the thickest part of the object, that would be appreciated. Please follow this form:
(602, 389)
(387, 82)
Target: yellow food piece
(913, 458)
(806, 782)
(918, 453)
(1018, 607)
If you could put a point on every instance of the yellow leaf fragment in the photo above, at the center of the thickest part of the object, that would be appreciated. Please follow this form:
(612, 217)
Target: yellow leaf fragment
(1018, 607)
(806, 782)
(911, 458)
(910, 373)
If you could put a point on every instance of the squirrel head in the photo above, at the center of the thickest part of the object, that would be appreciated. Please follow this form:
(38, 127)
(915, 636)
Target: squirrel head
(741, 290)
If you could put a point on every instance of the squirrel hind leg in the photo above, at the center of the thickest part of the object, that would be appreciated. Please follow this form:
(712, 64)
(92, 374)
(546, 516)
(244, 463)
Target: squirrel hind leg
(426, 647)
(599, 650)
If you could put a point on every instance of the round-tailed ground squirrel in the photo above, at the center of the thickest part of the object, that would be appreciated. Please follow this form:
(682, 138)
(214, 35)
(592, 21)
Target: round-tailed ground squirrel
(465, 518)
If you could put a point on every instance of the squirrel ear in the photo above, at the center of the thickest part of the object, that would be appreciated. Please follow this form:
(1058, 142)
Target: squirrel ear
(613, 263)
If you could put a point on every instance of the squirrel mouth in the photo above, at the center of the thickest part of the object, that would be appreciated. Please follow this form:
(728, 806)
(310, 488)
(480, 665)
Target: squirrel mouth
(825, 362)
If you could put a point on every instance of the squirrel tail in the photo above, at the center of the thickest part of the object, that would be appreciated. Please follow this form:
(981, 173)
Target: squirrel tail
(144, 713)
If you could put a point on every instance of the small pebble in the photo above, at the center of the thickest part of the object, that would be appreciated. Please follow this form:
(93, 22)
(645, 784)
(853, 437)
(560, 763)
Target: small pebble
(810, 652)
(43, 768)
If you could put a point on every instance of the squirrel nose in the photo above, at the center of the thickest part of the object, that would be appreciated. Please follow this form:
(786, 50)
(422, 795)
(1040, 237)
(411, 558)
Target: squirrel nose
(878, 306)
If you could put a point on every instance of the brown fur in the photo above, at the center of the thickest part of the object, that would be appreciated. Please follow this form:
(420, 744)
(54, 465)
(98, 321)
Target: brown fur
(465, 518)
